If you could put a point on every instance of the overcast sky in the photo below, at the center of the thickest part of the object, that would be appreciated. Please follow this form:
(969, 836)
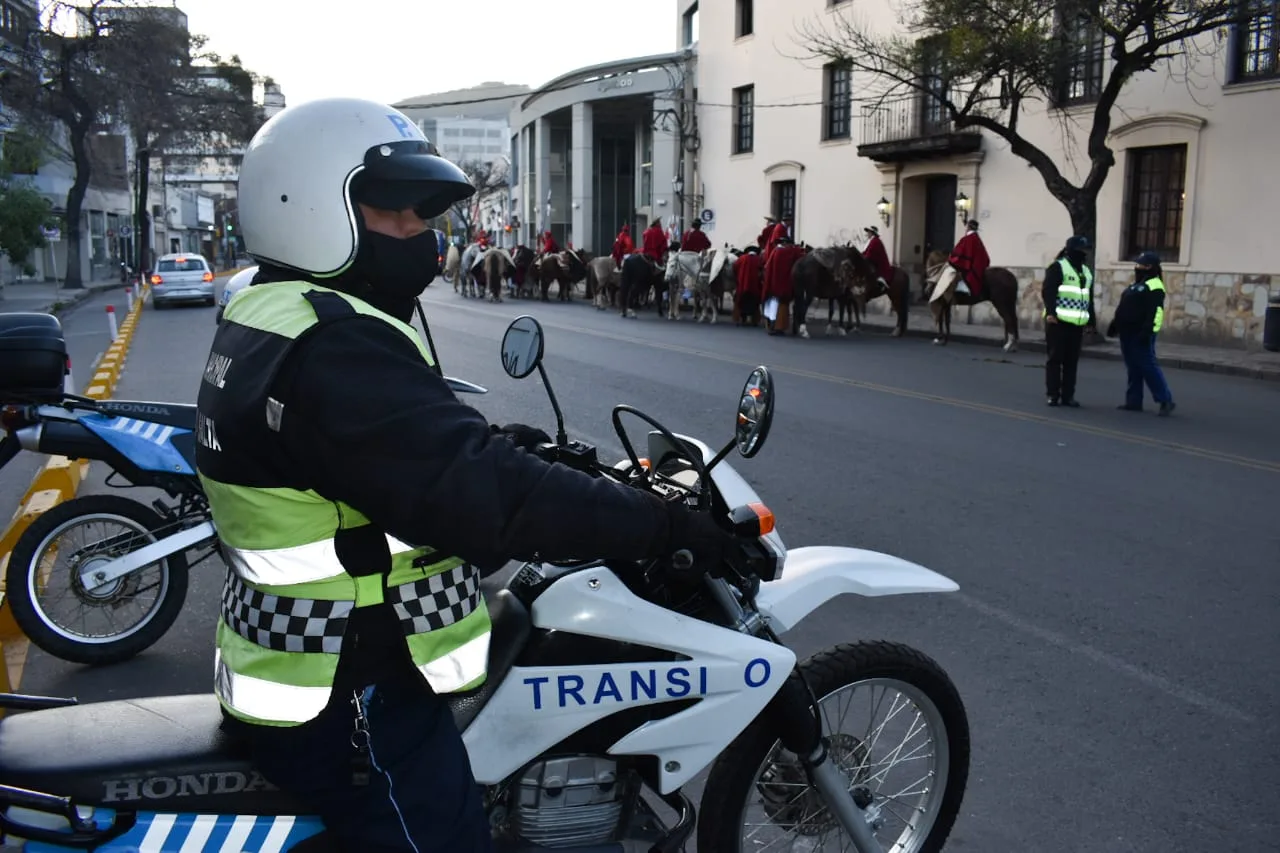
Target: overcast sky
(390, 50)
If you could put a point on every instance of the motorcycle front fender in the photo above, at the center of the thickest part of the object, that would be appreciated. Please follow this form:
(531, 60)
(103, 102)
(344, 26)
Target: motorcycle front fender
(814, 575)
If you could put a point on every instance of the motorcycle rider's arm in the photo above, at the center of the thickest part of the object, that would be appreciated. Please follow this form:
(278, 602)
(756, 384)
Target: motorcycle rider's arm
(379, 430)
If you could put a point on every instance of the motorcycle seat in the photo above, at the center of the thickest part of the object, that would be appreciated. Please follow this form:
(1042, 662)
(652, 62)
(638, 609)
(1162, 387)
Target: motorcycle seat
(180, 415)
(162, 753)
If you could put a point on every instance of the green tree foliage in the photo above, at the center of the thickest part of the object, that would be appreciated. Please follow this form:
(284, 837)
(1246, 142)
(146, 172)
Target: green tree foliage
(983, 64)
(23, 210)
(103, 64)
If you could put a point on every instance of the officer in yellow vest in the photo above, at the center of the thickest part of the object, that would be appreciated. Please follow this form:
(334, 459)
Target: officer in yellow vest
(1139, 318)
(1068, 311)
(358, 501)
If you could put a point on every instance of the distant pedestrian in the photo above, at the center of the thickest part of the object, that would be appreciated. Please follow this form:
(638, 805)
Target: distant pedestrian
(1068, 311)
(1138, 320)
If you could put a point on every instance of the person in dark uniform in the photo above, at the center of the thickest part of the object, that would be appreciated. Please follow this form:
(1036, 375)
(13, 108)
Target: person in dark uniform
(358, 501)
(1139, 318)
(1068, 311)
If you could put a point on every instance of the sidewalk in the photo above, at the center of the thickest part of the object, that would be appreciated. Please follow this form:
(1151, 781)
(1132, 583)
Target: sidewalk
(1258, 364)
(50, 297)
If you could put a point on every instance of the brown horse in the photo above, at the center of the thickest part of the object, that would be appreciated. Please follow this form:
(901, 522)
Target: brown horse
(552, 269)
(899, 293)
(999, 287)
(834, 273)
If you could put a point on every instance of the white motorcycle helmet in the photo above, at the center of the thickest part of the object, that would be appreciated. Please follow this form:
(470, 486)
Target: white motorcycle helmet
(305, 168)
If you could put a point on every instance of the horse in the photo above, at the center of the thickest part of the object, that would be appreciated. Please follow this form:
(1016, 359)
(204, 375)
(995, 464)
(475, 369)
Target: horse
(682, 274)
(899, 292)
(999, 287)
(639, 273)
(521, 283)
(602, 282)
(467, 276)
(452, 263)
(497, 266)
(714, 277)
(553, 268)
(832, 273)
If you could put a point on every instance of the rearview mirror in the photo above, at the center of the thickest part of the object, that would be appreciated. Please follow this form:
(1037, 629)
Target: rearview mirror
(755, 412)
(522, 347)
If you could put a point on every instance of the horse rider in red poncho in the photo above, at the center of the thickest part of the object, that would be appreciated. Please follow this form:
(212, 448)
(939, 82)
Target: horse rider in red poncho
(763, 240)
(746, 297)
(695, 239)
(877, 256)
(653, 243)
(970, 258)
(776, 236)
(622, 246)
(777, 282)
(549, 244)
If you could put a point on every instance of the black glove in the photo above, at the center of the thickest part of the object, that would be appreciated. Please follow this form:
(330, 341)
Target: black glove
(698, 533)
(522, 436)
(1111, 329)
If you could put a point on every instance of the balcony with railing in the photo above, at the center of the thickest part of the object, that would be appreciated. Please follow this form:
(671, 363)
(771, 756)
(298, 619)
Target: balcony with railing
(912, 128)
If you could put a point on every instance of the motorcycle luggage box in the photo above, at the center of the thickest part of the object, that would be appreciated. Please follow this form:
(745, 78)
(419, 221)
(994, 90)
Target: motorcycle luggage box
(33, 357)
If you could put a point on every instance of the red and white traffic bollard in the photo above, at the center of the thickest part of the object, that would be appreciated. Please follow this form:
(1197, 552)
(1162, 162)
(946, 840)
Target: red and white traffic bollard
(128, 295)
(69, 382)
(111, 321)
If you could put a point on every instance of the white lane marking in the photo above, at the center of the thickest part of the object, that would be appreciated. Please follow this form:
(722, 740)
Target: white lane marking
(1158, 682)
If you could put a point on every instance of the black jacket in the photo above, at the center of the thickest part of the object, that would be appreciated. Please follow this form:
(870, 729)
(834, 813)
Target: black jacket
(1049, 290)
(373, 426)
(1136, 313)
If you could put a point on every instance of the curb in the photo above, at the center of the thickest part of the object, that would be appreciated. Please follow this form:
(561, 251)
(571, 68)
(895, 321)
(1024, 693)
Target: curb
(57, 482)
(1268, 374)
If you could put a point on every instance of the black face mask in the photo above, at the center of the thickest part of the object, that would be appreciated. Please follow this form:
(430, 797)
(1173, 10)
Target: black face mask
(1075, 256)
(399, 269)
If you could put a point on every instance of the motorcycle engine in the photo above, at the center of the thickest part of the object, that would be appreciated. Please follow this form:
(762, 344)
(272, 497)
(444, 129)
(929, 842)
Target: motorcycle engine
(567, 801)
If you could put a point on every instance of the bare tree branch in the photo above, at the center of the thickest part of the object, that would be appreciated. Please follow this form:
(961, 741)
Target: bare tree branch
(984, 63)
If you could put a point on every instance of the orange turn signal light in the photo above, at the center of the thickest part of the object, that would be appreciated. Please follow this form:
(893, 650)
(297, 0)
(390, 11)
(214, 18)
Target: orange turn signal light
(765, 515)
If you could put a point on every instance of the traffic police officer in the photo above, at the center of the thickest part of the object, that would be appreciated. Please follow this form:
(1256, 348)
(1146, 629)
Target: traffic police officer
(1139, 318)
(358, 501)
(1068, 309)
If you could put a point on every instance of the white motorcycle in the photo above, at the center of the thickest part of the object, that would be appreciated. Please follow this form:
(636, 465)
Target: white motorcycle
(610, 689)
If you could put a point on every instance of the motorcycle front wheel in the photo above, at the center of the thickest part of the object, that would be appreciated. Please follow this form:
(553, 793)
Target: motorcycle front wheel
(897, 728)
(52, 603)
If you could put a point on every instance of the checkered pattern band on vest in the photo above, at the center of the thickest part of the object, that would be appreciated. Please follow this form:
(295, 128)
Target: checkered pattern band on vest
(284, 624)
(438, 601)
(1075, 304)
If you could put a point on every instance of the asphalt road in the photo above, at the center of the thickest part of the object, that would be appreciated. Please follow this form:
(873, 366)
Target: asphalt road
(1115, 638)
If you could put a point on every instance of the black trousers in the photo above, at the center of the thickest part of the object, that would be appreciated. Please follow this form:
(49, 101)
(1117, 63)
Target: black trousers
(421, 796)
(1063, 341)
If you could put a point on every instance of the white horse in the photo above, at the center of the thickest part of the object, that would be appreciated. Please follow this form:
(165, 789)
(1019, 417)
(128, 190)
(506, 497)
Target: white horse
(471, 259)
(452, 263)
(683, 271)
(716, 268)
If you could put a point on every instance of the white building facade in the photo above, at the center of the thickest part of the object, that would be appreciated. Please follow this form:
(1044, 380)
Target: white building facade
(599, 148)
(783, 137)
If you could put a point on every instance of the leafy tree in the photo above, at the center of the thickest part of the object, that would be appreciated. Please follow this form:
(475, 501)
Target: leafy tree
(102, 63)
(184, 102)
(984, 64)
(23, 210)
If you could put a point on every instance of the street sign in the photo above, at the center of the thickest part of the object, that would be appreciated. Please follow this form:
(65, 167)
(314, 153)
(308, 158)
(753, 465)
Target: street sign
(708, 215)
(125, 231)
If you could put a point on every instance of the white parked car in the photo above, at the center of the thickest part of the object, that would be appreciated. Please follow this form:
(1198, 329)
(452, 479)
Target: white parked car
(181, 278)
(234, 285)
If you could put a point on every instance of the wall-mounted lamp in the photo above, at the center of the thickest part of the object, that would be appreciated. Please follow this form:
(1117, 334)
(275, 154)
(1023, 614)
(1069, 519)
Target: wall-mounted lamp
(962, 207)
(884, 206)
(677, 184)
